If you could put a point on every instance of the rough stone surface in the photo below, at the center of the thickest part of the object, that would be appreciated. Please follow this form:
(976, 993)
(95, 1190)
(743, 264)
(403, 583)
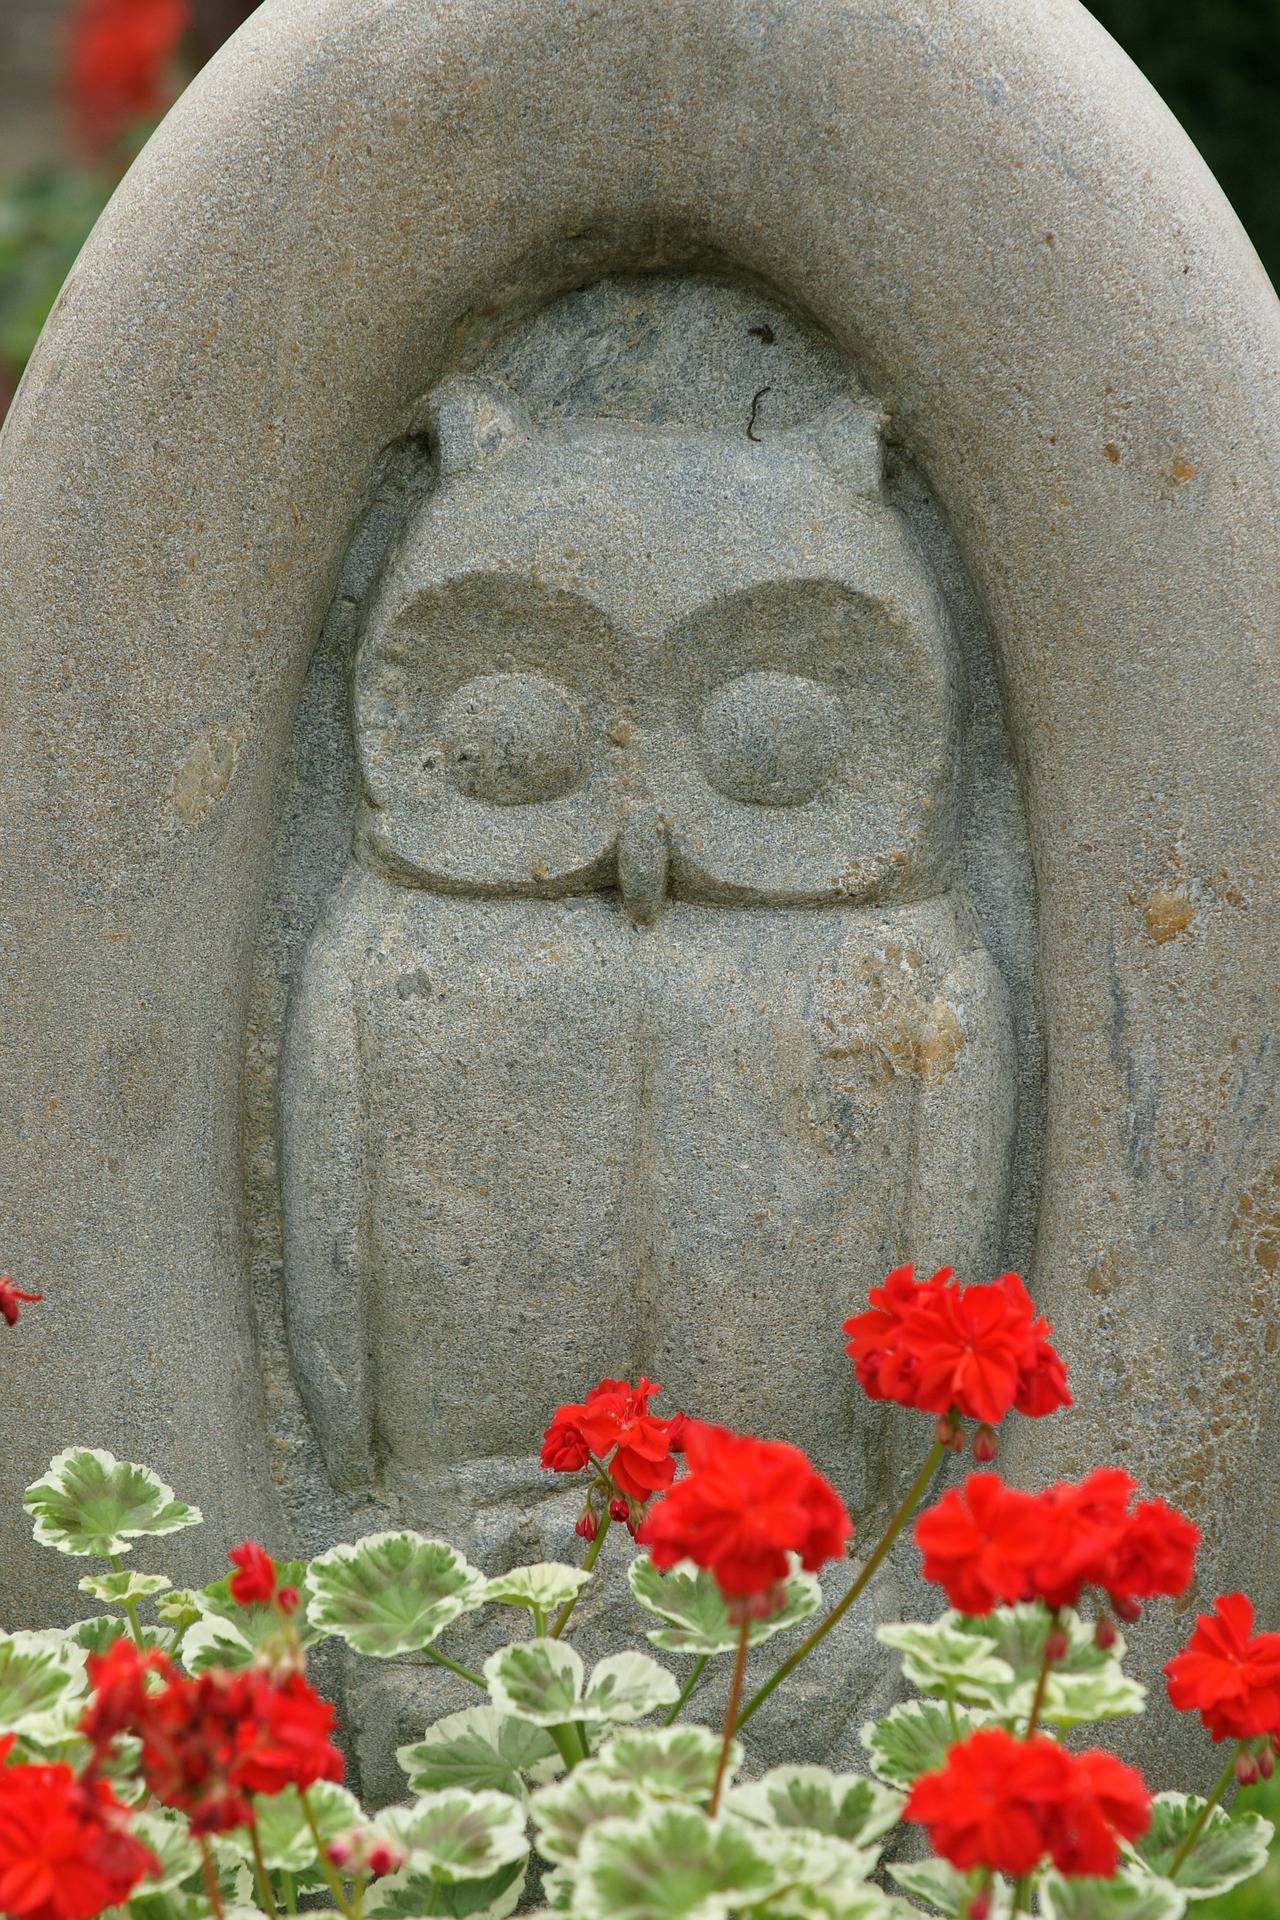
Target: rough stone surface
(507, 806)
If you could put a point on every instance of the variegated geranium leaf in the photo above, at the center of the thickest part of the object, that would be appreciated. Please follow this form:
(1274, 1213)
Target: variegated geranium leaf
(93, 1505)
(479, 1748)
(124, 1589)
(544, 1681)
(393, 1593)
(460, 1836)
(668, 1763)
(845, 1806)
(1230, 1848)
(697, 1620)
(913, 1738)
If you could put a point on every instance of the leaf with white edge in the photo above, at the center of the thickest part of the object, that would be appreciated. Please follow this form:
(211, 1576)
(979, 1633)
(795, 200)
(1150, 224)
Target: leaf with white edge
(994, 1661)
(169, 1838)
(211, 1642)
(91, 1504)
(811, 1859)
(100, 1633)
(943, 1886)
(1118, 1899)
(124, 1589)
(180, 1607)
(393, 1593)
(671, 1864)
(942, 1657)
(844, 1805)
(543, 1588)
(557, 1889)
(408, 1895)
(42, 1685)
(625, 1687)
(698, 1622)
(1232, 1847)
(564, 1813)
(460, 1836)
(669, 1763)
(283, 1832)
(835, 1900)
(259, 1622)
(913, 1739)
(479, 1747)
(544, 1681)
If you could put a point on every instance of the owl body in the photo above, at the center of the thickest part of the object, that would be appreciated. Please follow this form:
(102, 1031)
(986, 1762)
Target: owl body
(649, 1025)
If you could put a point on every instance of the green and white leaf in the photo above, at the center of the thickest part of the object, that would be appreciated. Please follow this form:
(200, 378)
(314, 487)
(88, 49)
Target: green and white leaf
(409, 1895)
(944, 1657)
(211, 1642)
(100, 1633)
(943, 1886)
(844, 1806)
(671, 1864)
(668, 1763)
(565, 1813)
(124, 1589)
(1233, 1846)
(180, 1607)
(460, 1836)
(283, 1833)
(480, 1748)
(806, 1858)
(169, 1838)
(557, 1889)
(42, 1685)
(543, 1588)
(1118, 1899)
(692, 1605)
(994, 1662)
(835, 1900)
(913, 1739)
(392, 1593)
(91, 1504)
(545, 1682)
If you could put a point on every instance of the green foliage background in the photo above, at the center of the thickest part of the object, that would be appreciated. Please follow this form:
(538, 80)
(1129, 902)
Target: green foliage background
(1257, 1899)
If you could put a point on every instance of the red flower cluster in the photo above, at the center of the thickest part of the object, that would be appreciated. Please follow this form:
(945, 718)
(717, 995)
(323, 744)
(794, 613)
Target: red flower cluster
(117, 59)
(1228, 1673)
(254, 1581)
(947, 1349)
(10, 1296)
(210, 1742)
(614, 1426)
(743, 1506)
(1007, 1804)
(66, 1851)
(989, 1545)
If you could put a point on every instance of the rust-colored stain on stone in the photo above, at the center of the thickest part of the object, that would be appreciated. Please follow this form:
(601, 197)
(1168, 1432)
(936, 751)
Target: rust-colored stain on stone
(1183, 470)
(1167, 915)
(1112, 452)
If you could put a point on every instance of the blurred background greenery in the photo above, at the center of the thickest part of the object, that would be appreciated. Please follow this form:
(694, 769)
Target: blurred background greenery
(83, 81)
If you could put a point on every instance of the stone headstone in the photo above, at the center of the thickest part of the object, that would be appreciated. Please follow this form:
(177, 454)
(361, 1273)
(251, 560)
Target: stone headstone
(640, 646)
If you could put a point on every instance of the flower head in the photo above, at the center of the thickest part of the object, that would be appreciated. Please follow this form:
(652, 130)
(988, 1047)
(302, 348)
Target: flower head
(979, 1543)
(10, 1296)
(744, 1506)
(255, 1577)
(1229, 1674)
(66, 1851)
(614, 1425)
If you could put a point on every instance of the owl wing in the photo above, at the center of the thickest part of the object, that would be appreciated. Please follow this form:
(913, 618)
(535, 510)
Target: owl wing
(323, 1178)
(965, 1124)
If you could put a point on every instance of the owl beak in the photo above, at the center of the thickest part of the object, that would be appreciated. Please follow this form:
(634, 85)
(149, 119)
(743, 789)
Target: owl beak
(642, 852)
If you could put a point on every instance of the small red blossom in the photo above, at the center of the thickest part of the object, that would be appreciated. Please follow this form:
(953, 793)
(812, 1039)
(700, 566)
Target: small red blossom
(289, 1744)
(255, 1577)
(118, 59)
(980, 1543)
(614, 1425)
(946, 1349)
(1227, 1673)
(66, 1851)
(11, 1295)
(1006, 1804)
(742, 1508)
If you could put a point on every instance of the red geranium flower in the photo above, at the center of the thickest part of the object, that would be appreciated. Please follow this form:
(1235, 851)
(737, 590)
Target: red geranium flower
(1004, 1804)
(742, 1508)
(980, 1544)
(1228, 1673)
(66, 1851)
(255, 1575)
(287, 1742)
(947, 1349)
(11, 1294)
(117, 61)
(614, 1424)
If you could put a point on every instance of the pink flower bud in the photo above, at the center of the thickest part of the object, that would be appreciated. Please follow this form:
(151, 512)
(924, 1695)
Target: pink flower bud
(385, 1858)
(1129, 1610)
(619, 1509)
(986, 1445)
(1246, 1769)
(587, 1526)
(1105, 1633)
(947, 1431)
(1056, 1646)
(287, 1599)
(341, 1852)
(1266, 1763)
(980, 1906)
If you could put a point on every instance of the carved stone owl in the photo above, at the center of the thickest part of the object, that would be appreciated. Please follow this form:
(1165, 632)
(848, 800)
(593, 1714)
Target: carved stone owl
(648, 1026)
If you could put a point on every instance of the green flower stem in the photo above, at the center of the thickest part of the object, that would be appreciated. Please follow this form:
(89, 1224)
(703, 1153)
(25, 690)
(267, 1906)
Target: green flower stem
(1021, 1892)
(131, 1610)
(210, 1878)
(589, 1559)
(735, 1695)
(571, 1751)
(915, 1493)
(463, 1673)
(322, 1855)
(1202, 1818)
(539, 1622)
(699, 1667)
(263, 1878)
(1042, 1679)
(289, 1887)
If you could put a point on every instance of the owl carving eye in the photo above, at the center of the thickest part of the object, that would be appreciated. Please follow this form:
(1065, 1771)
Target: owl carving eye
(512, 739)
(771, 739)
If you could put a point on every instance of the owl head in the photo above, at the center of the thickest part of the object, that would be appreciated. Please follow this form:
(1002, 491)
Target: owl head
(680, 664)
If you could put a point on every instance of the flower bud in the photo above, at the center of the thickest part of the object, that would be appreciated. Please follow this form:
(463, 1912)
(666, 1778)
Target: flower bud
(675, 1433)
(1246, 1769)
(619, 1509)
(341, 1852)
(287, 1599)
(385, 1857)
(1129, 1610)
(1105, 1633)
(1056, 1646)
(1266, 1763)
(980, 1905)
(986, 1445)
(635, 1520)
(948, 1432)
(587, 1526)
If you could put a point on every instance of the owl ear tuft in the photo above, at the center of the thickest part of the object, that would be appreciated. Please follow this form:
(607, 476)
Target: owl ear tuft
(849, 439)
(473, 423)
